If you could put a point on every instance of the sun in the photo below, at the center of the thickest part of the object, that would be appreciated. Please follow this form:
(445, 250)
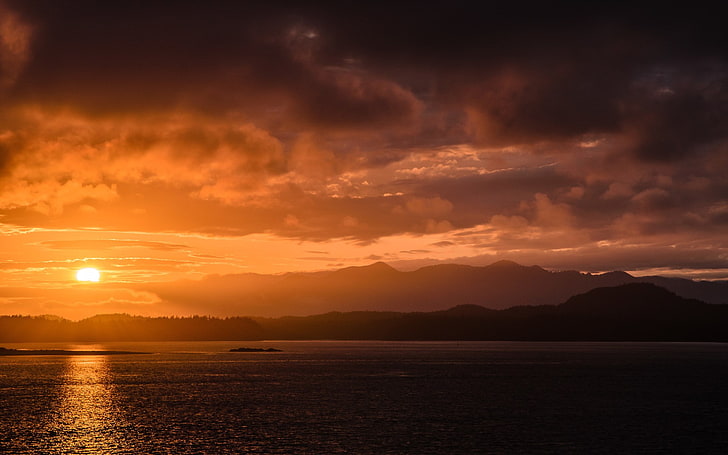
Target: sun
(88, 274)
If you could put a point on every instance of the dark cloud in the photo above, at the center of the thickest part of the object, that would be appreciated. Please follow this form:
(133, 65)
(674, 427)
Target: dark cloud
(680, 112)
(342, 98)
(271, 106)
(523, 73)
(532, 72)
(111, 59)
(482, 196)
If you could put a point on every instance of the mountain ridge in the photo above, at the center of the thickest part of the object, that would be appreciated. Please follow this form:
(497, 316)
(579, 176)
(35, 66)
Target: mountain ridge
(380, 287)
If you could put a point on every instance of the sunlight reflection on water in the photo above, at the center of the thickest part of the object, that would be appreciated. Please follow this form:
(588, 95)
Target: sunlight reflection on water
(369, 398)
(85, 419)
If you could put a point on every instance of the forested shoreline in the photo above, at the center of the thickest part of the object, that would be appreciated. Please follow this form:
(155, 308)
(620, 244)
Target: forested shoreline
(632, 312)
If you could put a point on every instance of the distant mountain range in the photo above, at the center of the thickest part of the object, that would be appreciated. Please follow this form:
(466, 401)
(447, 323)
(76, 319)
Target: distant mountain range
(630, 312)
(380, 287)
(502, 301)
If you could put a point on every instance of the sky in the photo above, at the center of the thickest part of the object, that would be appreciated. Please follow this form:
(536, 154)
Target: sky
(164, 142)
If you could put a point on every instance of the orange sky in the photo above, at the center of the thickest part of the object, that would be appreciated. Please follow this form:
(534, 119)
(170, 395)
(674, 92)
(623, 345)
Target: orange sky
(160, 143)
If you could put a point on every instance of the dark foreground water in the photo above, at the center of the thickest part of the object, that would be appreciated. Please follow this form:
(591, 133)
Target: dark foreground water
(368, 398)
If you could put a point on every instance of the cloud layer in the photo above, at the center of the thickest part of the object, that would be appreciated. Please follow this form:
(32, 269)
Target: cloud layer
(526, 131)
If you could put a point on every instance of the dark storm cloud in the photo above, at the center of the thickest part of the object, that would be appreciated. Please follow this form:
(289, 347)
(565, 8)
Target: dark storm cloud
(369, 85)
(111, 58)
(678, 111)
(523, 73)
(548, 71)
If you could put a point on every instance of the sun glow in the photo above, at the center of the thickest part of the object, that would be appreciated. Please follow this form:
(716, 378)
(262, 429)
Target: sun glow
(88, 274)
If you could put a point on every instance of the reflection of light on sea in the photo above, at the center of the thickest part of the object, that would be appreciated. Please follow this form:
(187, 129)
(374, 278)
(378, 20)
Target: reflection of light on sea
(86, 420)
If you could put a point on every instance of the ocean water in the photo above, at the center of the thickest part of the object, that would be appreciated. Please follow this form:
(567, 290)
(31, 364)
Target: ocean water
(368, 398)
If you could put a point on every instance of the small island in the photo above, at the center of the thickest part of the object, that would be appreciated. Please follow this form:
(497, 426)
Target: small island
(6, 352)
(255, 350)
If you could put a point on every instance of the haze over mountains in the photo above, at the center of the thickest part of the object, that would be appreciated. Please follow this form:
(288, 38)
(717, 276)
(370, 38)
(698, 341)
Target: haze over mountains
(502, 301)
(379, 287)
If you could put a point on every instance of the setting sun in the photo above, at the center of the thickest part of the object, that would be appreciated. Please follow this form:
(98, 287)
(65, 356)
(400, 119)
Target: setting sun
(88, 274)
(366, 228)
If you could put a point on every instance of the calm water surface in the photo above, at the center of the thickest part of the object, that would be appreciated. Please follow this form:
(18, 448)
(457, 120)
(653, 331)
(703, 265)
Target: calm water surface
(368, 398)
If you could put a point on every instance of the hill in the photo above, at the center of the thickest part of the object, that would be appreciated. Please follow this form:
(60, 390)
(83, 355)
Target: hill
(631, 312)
(123, 327)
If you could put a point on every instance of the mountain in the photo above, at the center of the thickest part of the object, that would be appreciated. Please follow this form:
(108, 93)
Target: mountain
(630, 312)
(379, 287)
(641, 312)
(123, 327)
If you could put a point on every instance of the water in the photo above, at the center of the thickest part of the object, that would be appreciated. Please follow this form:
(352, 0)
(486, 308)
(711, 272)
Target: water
(368, 398)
